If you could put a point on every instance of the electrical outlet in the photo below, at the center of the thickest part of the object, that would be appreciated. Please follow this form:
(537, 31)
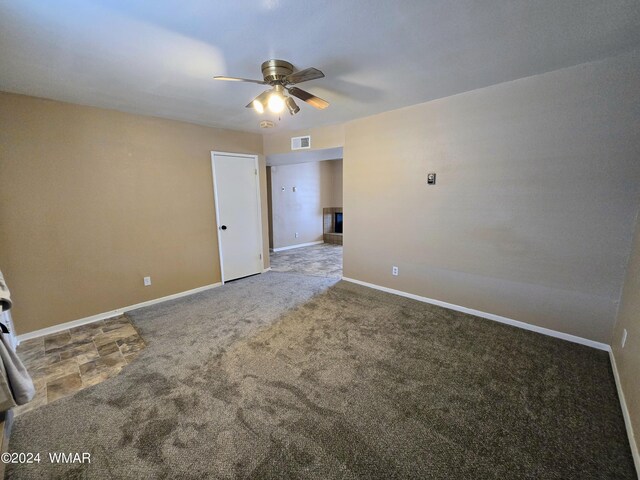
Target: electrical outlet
(624, 338)
(296, 234)
(147, 281)
(394, 271)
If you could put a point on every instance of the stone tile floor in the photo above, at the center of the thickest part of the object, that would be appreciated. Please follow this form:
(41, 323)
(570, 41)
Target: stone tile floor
(66, 362)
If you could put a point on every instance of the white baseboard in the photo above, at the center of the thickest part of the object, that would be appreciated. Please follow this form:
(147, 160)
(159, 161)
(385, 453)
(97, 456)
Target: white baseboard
(626, 415)
(110, 314)
(488, 316)
(280, 249)
(266, 269)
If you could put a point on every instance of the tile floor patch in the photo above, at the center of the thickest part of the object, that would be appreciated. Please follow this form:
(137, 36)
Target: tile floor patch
(66, 362)
(63, 387)
(57, 340)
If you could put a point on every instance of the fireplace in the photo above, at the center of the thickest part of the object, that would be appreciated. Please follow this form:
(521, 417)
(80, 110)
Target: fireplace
(332, 225)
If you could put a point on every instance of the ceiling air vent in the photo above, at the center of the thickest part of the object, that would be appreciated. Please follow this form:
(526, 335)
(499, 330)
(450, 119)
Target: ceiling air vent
(300, 143)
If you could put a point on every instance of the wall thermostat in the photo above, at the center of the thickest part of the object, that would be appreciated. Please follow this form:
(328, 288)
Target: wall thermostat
(431, 178)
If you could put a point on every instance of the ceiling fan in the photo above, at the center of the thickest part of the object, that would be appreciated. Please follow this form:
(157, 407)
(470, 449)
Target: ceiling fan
(281, 77)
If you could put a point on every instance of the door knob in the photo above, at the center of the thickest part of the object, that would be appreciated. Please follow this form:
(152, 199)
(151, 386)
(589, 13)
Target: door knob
(223, 227)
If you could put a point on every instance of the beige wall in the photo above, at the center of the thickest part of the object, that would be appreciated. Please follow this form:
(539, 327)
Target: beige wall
(269, 207)
(628, 358)
(92, 200)
(262, 178)
(318, 185)
(330, 136)
(538, 182)
(337, 182)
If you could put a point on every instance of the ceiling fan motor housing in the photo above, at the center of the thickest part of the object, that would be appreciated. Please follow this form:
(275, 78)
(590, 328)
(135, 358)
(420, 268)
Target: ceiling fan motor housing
(276, 70)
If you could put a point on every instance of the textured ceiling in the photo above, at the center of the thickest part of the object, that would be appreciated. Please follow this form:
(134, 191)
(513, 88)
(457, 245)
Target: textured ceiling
(158, 58)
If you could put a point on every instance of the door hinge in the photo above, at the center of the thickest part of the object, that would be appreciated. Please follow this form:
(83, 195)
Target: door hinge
(260, 255)
(256, 171)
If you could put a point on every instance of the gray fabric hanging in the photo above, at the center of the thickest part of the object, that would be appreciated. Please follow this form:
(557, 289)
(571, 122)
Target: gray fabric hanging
(6, 396)
(5, 295)
(16, 376)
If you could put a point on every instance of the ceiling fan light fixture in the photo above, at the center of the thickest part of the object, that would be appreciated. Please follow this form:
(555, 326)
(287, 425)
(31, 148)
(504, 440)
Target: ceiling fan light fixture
(258, 106)
(276, 102)
(280, 75)
(292, 106)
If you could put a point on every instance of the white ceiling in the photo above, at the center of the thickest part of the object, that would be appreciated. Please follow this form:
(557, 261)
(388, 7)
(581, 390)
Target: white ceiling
(158, 58)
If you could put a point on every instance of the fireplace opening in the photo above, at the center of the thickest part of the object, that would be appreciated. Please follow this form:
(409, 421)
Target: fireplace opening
(338, 222)
(332, 225)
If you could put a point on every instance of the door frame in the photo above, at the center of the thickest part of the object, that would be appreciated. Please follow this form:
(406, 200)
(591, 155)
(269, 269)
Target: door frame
(216, 204)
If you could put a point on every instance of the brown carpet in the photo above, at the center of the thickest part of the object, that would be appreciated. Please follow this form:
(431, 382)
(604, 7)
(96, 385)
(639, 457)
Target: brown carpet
(289, 376)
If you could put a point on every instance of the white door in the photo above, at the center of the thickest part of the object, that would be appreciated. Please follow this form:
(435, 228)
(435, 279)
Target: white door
(237, 196)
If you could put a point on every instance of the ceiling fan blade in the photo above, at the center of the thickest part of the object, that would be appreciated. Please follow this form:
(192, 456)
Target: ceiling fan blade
(261, 98)
(312, 100)
(237, 79)
(304, 75)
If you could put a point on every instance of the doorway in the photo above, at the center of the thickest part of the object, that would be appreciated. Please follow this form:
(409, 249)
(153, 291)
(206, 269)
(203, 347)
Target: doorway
(236, 192)
(305, 214)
